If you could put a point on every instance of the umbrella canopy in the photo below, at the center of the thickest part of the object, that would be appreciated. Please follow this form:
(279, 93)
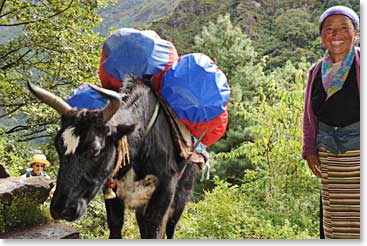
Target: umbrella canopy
(198, 92)
(85, 97)
(195, 88)
(136, 53)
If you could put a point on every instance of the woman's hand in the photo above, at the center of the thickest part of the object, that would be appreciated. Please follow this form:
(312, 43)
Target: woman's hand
(314, 164)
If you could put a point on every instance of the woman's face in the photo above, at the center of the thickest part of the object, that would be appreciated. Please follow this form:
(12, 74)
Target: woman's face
(38, 168)
(338, 36)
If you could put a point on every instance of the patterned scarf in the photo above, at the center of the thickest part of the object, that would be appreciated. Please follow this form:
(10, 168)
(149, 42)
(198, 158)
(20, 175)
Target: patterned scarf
(334, 75)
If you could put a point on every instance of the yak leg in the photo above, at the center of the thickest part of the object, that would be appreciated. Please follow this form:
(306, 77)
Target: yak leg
(150, 220)
(139, 214)
(182, 196)
(115, 217)
(163, 231)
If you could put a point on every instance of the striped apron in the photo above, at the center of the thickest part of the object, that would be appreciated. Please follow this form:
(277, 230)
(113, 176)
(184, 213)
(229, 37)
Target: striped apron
(340, 192)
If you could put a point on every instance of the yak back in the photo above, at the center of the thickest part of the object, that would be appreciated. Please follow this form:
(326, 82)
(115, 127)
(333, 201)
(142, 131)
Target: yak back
(158, 151)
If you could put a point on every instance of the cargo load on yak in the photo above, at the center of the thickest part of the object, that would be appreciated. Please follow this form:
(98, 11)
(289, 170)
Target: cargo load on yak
(130, 52)
(192, 85)
(198, 92)
(85, 97)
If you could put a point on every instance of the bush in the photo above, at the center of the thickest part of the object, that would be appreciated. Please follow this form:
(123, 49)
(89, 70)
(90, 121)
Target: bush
(22, 213)
(279, 198)
(93, 225)
(219, 215)
(240, 212)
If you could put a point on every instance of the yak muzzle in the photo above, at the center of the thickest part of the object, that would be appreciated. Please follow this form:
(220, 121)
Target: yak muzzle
(71, 212)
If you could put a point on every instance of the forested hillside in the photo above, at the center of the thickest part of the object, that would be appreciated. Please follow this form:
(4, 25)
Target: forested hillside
(282, 30)
(187, 20)
(133, 13)
(258, 186)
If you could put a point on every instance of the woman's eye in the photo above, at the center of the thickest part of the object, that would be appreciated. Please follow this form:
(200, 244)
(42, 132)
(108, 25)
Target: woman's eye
(329, 30)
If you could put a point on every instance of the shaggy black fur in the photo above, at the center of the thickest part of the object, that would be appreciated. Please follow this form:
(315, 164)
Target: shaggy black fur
(84, 172)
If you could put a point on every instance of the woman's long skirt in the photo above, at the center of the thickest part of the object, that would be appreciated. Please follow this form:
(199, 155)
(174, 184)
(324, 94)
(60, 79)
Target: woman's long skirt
(340, 194)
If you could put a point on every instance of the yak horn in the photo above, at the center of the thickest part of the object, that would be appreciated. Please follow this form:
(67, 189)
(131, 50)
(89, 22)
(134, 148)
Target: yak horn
(50, 99)
(113, 104)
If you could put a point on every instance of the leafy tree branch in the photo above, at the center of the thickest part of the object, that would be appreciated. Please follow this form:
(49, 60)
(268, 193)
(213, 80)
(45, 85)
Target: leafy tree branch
(36, 20)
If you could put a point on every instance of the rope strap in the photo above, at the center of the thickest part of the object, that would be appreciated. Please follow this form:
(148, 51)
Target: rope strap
(153, 118)
(123, 159)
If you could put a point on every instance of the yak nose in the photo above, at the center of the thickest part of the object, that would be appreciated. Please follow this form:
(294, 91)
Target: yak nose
(70, 212)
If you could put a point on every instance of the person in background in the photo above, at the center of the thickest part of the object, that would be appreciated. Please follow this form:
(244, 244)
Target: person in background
(38, 163)
(331, 128)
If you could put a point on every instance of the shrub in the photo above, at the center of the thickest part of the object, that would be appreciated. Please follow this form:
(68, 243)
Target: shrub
(21, 213)
(93, 225)
(237, 212)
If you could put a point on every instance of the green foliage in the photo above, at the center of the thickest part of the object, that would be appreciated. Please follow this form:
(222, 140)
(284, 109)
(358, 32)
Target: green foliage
(234, 54)
(232, 212)
(13, 154)
(279, 198)
(280, 29)
(53, 45)
(132, 13)
(187, 20)
(93, 225)
(215, 217)
(57, 49)
(22, 212)
(274, 196)
(131, 228)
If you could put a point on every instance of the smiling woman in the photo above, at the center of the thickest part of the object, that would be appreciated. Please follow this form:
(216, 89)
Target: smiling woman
(38, 163)
(338, 36)
(331, 131)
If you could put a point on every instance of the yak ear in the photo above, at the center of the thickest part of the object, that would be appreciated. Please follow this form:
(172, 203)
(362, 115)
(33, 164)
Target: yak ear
(125, 129)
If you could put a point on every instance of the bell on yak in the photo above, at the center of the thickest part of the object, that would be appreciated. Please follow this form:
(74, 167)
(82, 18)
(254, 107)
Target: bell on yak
(109, 193)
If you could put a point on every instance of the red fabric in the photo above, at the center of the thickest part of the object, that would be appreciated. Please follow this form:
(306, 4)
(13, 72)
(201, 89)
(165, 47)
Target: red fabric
(157, 78)
(216, 128)
(107, 80)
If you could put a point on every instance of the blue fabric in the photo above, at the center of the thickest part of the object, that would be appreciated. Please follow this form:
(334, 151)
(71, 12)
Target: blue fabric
(29, 172)
(334, 75)
(86, 97)
(133, 52)
(195, 88)
(339, 139)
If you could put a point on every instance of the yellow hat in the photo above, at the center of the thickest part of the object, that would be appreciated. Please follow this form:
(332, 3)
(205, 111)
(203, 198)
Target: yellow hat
(40, 158)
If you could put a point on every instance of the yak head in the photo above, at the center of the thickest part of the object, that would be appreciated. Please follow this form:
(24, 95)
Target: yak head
(87, 148)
